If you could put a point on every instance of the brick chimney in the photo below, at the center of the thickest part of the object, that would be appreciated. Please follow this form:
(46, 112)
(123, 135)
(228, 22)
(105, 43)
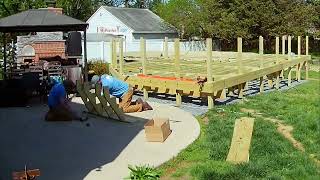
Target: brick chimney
(55, 10)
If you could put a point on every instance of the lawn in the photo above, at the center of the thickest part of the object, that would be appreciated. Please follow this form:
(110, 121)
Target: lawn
(272, 156)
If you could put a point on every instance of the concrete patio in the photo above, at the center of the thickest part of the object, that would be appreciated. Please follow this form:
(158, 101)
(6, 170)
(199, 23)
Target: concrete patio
(95, 149)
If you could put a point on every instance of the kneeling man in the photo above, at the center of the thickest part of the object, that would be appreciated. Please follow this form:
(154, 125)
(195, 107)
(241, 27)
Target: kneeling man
(59, 108)
(123, 91)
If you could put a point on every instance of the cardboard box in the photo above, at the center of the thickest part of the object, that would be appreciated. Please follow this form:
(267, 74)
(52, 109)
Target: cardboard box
(157, 129)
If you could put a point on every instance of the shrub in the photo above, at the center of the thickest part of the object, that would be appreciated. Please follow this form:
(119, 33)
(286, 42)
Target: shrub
(143, 173)
(98, 67)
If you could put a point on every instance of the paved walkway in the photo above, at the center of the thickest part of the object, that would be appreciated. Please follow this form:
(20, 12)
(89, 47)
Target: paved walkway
(96, 149)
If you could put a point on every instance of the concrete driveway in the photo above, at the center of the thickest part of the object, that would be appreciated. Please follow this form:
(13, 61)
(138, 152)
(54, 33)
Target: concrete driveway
(95, 149)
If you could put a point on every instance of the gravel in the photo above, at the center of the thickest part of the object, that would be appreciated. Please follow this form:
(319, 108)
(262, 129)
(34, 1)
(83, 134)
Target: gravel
(198, 106)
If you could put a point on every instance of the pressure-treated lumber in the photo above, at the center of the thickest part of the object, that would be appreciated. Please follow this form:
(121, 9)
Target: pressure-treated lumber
(283, 45)
(209, 70)
(163, 77)
(165, 48)
(277, 49)
(239, 55)
(106, 107)
(143, 55)
(289, 48)
(261, 50)
(121, 59)
(241, 140)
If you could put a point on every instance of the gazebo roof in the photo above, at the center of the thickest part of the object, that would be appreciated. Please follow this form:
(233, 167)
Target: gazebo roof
(40, 20)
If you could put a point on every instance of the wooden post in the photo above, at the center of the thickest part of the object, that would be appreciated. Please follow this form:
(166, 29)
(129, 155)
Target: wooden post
(177, 57)
(270, 80)
(261, 50)
(283, 53)
(165, 48)
(289, 76)
(261, 85)
(143, 56)
(177, 67)
(277, 49)
(241, 89)
(278, 80)
(283, 45)
(209, 71)
(298, 67)
(121, 60)
(307, 53)
(307, 45)
(239, 55)
(289, 47)
(114, 54)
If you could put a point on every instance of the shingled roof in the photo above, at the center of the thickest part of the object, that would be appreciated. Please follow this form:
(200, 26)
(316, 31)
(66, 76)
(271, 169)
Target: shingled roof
(40, 20)
(141, 20)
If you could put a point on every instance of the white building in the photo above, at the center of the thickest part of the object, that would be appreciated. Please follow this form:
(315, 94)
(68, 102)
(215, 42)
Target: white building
(128, 23)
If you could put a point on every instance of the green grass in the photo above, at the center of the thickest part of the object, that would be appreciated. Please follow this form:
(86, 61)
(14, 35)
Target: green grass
(271, 155)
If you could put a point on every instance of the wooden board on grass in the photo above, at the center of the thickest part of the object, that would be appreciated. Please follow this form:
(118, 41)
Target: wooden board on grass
(241, 140)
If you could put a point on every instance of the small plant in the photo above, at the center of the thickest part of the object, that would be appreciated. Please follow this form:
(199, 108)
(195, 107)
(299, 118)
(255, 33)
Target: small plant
(98, 67)
(143, 173)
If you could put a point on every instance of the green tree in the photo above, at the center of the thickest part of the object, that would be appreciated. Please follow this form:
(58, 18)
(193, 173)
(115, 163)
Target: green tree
(9, 7)
(79, 9)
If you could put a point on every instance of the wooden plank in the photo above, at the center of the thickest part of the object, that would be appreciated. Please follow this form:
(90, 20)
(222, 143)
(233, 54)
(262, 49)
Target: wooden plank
(239, 55)
(92, 98)
(121, 59)
(113, 104)
(84, 98)
(289, 48)
(261, 85)
(211, 101)
(241, 140)
(177, 57)
(209, 60)
(261, 50)
(283, 45)
(277, 50)
(165, 48)
(277, 83)
(289, 76)
(307, 45)
(270, 80)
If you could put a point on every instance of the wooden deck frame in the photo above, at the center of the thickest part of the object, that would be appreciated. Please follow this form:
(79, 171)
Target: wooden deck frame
(100, 104)
(225, 74)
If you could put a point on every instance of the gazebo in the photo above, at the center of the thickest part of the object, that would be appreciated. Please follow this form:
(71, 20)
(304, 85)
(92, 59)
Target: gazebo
(42, 20)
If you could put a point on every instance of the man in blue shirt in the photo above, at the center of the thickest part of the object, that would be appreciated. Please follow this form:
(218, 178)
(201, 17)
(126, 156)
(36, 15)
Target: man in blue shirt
(123, 91)
(59, 109)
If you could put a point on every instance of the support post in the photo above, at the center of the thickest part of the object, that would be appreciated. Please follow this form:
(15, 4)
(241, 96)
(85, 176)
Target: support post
(177, 67)
(298, 67)
(261, 85)
(121, 59)
(165, 48)
(289, 47)
(261, 50)
(114, 54)
(277, 49)
(307, 53)
(177, 57)
(283, 45)
(143, 56)
(85, 56)
(241, 89)
(239, 54)
(289, 76)
(209, 71)
(278, 80)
